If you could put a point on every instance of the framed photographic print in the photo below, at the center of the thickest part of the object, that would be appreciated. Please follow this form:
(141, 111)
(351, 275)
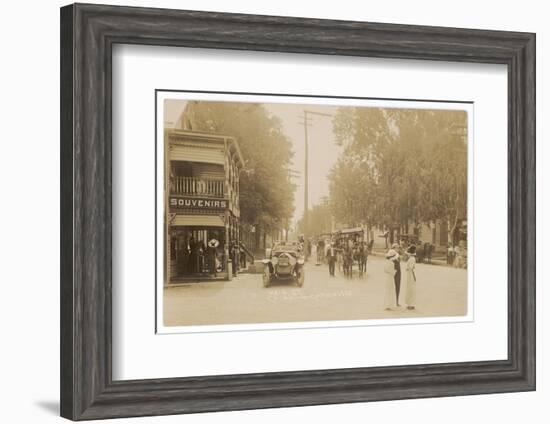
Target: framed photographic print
(264, 212)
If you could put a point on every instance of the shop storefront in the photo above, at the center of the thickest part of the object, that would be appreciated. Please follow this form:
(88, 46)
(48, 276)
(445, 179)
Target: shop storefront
(197, 245)
(202, 205)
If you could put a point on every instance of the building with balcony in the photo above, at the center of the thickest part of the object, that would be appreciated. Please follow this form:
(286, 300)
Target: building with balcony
(201, 203)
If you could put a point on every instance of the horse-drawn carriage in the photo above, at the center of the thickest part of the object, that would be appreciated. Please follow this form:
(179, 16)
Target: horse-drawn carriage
(352, 249)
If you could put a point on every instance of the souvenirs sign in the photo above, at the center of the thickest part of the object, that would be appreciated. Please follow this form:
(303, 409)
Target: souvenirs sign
(177, 202)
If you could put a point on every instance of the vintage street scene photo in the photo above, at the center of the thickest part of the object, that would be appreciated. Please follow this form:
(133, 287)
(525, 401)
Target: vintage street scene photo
(306, 211)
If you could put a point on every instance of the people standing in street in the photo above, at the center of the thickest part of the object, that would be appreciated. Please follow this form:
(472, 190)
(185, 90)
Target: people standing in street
(362, 255)
(460, 255)
(331, 259)
(389, 282)
(182, 259)
(193, 255)
(410, 298)
(386, 236)
(212, 253)
(397, 275)
(314, 252)
(428, 250)
(450, 254)
(320, 250)
(348, 261)
(339, 254)
(201, 252)
(242, 257)
(234, 258)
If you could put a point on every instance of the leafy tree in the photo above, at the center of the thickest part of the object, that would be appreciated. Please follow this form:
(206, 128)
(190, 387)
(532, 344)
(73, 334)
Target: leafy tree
(319, 219)
(266, 195)
(399, 166)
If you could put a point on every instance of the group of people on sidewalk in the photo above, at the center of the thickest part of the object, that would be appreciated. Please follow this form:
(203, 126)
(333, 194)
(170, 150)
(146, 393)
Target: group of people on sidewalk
(392, 269)
(457, 255)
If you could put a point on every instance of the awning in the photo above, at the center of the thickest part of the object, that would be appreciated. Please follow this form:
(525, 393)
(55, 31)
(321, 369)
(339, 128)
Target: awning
(198, 221)
(203, 154)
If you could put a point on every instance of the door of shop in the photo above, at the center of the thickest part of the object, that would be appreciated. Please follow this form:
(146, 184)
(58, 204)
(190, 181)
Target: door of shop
(197, 252)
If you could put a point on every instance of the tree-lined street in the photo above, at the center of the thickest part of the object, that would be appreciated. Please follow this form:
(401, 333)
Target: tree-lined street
(387, 181)
(442, 291)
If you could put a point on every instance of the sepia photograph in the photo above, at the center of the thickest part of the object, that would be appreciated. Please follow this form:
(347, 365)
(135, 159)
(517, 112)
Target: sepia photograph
(294, 209)
(263, 209)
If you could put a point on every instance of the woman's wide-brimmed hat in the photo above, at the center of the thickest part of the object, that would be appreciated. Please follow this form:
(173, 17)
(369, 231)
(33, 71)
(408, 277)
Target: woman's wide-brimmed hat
(391, 253)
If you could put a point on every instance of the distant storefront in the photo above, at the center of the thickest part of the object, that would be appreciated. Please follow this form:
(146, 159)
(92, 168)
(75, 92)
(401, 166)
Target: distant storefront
(201, 203)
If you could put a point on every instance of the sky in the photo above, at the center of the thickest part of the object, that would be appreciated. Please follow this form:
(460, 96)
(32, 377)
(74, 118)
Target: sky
(323, 151)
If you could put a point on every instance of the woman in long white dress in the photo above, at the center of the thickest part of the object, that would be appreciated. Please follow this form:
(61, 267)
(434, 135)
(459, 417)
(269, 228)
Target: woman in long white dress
(410, 298)
(389, 282)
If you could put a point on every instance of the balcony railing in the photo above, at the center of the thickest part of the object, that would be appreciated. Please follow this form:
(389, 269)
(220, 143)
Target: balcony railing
(197, 187)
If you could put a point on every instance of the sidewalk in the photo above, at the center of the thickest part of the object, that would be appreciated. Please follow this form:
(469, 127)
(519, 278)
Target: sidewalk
(253, 268)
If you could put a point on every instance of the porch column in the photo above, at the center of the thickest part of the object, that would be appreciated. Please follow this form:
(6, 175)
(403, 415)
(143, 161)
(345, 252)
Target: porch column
(226, 246)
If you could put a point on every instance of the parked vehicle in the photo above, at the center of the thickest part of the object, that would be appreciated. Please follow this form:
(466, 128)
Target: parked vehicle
(284, 262)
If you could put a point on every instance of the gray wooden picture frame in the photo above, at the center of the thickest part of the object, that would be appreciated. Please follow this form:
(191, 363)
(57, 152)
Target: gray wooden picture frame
(88, 33)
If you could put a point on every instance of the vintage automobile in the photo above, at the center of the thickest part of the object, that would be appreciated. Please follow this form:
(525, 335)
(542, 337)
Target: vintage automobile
(284, 261)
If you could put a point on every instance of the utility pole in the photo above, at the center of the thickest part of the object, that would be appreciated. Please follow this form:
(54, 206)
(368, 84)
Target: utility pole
(291, 174)
(306, 124)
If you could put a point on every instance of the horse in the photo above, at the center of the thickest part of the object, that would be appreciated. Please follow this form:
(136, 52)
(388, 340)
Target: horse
(361, 258)
(348, 262)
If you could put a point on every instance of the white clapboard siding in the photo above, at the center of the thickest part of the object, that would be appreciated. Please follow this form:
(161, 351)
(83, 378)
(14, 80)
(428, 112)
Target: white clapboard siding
(194, 154)
(198, 220)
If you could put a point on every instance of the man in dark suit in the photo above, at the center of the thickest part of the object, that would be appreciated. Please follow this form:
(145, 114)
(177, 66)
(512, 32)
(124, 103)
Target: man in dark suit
(331, 259)
(397, 275)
